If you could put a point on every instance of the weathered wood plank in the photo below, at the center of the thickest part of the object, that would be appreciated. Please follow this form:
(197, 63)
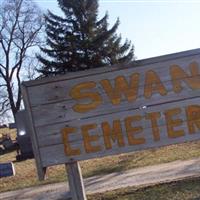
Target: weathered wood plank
(51, 134)
(63, 112)
(75, 178)
(59, 91)
(76, 140)
(41, 170)
(60, 158)
(137, 63)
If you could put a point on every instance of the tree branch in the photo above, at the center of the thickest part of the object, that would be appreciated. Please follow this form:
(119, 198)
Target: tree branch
(21, 24)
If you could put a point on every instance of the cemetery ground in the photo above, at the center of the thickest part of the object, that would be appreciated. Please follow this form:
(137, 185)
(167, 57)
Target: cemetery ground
(180, 190)
(188, 189)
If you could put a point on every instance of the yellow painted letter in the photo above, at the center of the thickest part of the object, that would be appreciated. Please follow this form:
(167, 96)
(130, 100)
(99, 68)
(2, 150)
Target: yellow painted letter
(68, 150)
(172, 123)
(87, 138)
(129, 90)
(114, 133)
(153, 84)
(193, 118)
(78, 93)
(178, 75)
(131, 131)
(153, 117)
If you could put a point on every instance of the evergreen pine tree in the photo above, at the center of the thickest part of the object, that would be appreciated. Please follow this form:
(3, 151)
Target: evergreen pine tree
(80, 41)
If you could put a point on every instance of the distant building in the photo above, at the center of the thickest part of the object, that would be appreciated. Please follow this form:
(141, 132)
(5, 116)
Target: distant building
(23, 136)
(12, 125)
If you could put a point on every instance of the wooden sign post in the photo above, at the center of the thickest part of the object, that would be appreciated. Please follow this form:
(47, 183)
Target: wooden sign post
(76, 185)
(112, 110)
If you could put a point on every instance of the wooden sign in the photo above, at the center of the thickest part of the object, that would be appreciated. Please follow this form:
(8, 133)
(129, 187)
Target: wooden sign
(124, 108)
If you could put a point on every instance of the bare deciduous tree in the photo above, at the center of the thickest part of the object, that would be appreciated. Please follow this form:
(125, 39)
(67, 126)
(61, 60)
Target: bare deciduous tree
(20, 26)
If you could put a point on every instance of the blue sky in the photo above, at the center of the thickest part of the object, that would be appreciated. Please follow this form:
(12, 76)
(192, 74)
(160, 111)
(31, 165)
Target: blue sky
(154, 27)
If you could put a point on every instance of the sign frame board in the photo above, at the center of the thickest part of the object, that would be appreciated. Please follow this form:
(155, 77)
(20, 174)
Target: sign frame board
(91, 113)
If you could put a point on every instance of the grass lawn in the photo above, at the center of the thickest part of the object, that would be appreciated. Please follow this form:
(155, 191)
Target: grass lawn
(181, 190)
(26, 171)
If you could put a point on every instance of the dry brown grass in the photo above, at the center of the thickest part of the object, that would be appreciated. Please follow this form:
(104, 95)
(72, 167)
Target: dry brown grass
(11, 132)
(26, 171)
(26, 174)
(181, 190)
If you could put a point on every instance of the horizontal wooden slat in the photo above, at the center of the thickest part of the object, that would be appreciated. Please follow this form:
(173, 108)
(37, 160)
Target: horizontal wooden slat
(137, 63)
(53, 92)
(51, 134)
(63, 112)
(56, 151)
(77, 139)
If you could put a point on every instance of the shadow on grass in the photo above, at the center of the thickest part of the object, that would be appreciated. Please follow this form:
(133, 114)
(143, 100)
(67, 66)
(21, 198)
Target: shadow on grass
(123, 165)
